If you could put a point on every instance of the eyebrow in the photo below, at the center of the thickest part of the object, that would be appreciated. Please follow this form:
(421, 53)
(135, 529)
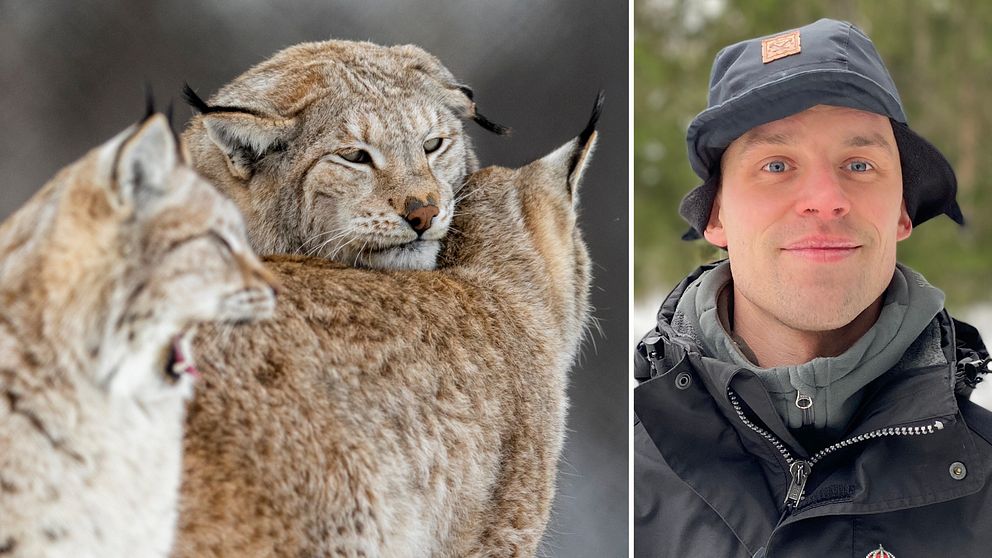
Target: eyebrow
(874, 140)
(752, 140)
(767, 139)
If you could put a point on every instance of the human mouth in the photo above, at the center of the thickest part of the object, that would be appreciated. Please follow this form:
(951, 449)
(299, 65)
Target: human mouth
(822, 249)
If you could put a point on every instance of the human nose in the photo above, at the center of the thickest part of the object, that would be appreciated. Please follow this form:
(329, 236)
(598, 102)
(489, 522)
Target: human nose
(822, 194)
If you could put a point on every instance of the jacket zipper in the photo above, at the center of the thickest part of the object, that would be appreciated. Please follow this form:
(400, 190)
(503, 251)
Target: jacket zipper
(804, 402)
(799, 470)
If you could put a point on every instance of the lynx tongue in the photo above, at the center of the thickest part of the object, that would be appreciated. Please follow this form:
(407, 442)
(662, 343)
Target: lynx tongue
(182, 361)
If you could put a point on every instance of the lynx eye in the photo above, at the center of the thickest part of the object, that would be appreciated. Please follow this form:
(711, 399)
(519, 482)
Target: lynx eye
(433, 144)
(359, 156)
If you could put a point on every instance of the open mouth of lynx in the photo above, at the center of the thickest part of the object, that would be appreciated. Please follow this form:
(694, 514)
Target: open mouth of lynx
(180, 359)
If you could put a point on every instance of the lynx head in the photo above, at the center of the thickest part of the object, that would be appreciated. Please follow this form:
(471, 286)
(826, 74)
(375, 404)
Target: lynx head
(345, 150)
(122, 253)
(521, 223)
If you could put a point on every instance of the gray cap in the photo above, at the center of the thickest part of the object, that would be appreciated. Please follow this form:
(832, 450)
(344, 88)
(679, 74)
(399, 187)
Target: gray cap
(825, 63)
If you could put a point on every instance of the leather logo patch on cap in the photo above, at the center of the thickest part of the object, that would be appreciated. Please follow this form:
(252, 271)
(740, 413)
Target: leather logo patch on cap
(780, 46)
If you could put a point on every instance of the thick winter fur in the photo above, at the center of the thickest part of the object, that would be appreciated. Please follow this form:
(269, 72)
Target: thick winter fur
(400, 414)
(100, 274)
(328, 150)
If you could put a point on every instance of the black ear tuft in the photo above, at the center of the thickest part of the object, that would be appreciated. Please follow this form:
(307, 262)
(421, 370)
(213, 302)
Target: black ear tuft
(487, 124)
(597, 110)
(585, 136)
(149, 102)
(194, 100)
(482, 121)
(201, 106)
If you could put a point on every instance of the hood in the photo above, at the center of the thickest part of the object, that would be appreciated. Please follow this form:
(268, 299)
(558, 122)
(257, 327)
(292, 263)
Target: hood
(663, 347)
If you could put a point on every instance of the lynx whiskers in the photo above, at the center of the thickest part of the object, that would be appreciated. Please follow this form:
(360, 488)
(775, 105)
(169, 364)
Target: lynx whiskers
(341, 138)
(401, 413)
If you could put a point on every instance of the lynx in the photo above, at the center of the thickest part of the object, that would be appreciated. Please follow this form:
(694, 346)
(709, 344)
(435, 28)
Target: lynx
(104, 275)
(344, 150)
(404, 413)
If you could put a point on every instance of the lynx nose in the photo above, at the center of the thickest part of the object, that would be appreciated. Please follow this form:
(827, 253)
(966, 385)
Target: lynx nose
(419, 214)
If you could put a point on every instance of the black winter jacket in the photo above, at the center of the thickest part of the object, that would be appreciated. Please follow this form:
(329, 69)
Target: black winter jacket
(718, 474)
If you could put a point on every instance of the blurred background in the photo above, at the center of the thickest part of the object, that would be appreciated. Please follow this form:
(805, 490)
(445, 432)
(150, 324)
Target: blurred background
(72, 75)
(939, 53)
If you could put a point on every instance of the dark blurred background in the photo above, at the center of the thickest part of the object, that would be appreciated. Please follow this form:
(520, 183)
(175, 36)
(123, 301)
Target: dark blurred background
(939, 53)
(72, 75)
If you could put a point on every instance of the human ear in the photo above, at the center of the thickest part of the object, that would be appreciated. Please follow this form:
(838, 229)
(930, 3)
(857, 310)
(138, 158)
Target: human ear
(905, 225)
(714, 232)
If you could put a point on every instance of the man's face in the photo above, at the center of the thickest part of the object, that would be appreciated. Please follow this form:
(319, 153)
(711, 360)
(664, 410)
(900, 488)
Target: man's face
(810, 210)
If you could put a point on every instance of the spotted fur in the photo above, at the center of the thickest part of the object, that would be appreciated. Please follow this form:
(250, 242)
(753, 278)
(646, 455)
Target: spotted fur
(278, 140)
(102, 273)
(400, 414)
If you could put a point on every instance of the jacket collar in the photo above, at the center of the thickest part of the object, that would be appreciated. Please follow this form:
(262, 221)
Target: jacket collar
(662, 348)
(704, 441)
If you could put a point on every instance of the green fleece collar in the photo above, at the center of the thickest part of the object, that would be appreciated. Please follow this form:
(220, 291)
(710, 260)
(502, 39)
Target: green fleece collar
(831, 386)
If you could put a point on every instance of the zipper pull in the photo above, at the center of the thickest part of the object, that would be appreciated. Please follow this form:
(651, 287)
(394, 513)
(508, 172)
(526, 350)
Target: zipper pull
(804, 402)
(800, 472)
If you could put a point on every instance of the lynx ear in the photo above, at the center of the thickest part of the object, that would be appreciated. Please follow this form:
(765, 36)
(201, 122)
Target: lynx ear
(458, 96)
(243, 135)
(470, 110)
(144, 161)
(573, 157)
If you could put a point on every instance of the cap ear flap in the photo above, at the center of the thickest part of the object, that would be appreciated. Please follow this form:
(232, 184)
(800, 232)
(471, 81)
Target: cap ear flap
(242, 135)
(144, 162)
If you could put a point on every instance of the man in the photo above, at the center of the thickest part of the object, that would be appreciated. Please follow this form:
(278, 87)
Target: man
(808, 395)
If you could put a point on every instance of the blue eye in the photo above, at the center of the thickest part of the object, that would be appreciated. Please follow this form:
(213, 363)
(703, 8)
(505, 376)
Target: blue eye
(775, 166)
(860, 166)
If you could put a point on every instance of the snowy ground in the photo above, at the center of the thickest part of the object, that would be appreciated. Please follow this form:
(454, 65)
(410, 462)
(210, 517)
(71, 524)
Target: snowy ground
(980, 316)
